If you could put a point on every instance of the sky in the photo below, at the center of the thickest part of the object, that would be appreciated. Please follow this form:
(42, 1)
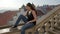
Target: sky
(16, 4)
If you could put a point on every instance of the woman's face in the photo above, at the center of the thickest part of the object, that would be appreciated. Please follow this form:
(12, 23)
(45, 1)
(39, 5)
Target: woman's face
(27, 7)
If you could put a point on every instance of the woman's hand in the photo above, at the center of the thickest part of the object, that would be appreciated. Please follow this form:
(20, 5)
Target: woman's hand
(28, 22)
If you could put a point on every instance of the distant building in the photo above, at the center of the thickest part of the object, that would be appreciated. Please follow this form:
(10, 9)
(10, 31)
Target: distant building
(39, 11)
(6, 16)
(46, 8)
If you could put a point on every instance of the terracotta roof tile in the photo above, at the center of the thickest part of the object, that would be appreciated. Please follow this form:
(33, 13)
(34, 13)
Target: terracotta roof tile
(6, 16)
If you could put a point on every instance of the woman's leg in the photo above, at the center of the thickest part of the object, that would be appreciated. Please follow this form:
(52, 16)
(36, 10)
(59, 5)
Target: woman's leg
(18, 20)
(26, 26)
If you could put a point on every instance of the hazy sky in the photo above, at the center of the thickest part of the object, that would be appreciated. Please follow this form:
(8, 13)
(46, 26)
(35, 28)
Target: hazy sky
(15, 4)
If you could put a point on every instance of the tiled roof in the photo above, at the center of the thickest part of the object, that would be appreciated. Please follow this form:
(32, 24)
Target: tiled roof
(6, 16)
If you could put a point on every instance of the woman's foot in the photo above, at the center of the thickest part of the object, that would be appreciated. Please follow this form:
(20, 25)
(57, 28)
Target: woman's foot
(13, 29)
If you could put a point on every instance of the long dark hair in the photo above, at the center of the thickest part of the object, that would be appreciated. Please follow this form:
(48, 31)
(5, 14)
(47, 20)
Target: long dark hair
(32, 7)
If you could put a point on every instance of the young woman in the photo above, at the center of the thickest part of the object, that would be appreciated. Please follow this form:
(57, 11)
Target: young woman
(30, 21)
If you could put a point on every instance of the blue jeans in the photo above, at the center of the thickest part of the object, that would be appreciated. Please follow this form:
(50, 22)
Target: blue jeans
(19, 19)
(26, 26)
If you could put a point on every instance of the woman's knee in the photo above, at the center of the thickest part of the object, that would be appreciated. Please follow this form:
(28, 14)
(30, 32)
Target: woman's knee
(23, 29)
(22, 15)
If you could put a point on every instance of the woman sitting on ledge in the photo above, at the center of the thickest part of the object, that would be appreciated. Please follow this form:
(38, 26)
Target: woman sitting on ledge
(30, 21)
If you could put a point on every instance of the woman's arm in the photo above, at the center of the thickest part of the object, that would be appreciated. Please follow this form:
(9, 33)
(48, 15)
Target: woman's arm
(34, 15)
